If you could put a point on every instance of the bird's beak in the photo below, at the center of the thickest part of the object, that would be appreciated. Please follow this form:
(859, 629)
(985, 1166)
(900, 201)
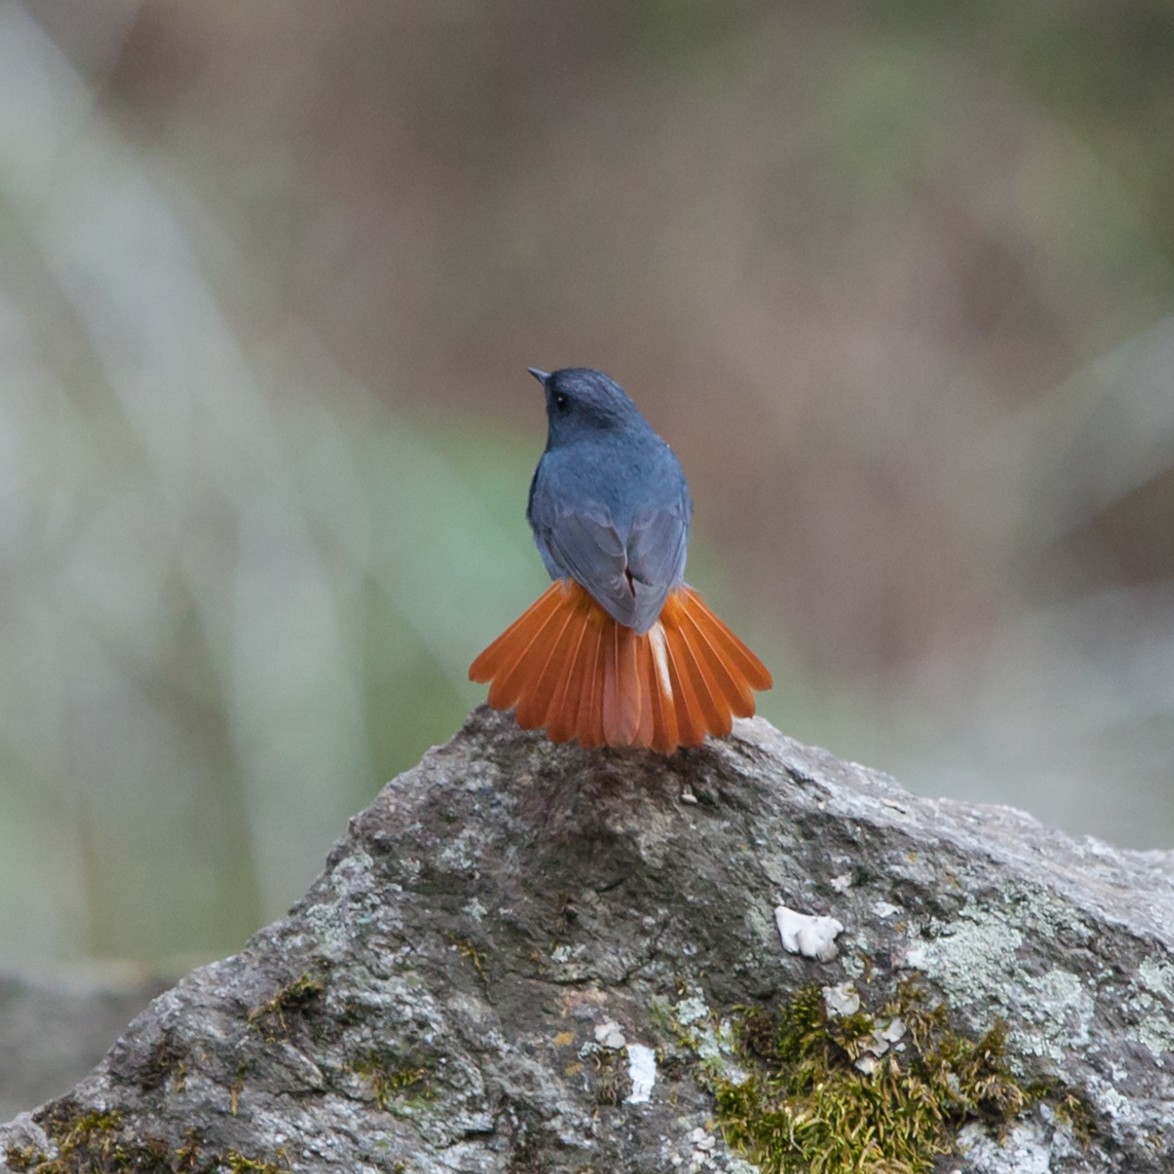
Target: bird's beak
(541, 376)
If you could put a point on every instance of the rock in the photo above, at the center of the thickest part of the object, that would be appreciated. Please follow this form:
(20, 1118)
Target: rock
(448, 994)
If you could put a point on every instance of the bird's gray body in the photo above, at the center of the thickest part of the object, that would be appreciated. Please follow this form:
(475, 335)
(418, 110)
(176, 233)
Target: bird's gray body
(609, 504)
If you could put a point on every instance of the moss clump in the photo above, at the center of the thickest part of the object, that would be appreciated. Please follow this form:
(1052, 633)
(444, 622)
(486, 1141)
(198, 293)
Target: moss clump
(824, 1094)
(471, 954)
(100, 1142)
(394, 1082)
(270, 1017)
(23, 1157)
(91, 1139)
(1071, 1108)
(612, 1081)
(165, 1062)
(239, 1164)
(1077, 1114)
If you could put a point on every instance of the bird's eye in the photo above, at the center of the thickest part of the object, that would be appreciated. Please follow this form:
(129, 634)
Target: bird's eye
(561, 401)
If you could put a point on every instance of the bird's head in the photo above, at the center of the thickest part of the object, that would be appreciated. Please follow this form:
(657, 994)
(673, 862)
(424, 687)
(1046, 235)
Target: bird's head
(581, 402)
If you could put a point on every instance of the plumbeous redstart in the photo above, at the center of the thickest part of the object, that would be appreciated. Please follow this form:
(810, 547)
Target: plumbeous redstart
(619, 650)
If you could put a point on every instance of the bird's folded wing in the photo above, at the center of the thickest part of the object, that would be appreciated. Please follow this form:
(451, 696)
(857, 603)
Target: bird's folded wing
(629, 574)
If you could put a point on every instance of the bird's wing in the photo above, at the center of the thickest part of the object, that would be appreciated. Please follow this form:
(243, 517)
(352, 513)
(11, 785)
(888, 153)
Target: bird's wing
(585, 544)
(629, 575)
(656, 558)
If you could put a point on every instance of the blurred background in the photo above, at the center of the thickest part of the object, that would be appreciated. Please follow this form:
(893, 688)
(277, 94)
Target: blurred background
(897, 287)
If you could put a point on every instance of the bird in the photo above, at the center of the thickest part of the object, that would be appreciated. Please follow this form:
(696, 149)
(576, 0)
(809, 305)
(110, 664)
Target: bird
(619, 650)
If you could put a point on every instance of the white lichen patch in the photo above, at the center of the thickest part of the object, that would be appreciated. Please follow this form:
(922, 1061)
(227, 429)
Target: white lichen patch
(1156, 1032)
(642, 1073)
(1115, 1103)
(1157, 976)
(841, 1000)
(609, 1035)
(712, 1039)
(464, 852)
(973, 956)
(853, 965)
(1025, 1149)
(1155, 1027)
(701, 1146)
(692, 1010)
(1060, 1009)
(887, 1034)
(976, 958)
(813, 937)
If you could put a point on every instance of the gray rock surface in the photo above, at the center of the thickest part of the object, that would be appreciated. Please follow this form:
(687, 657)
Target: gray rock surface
(502, 947)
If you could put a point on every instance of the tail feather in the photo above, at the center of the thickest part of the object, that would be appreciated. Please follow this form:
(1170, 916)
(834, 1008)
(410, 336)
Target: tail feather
(590, 717)
(567, 666)
(646, 731)
(663, 709)
(715, 717)
(741, 661)
(508, 661)
(560, 636)
(724, 682)
(562, 715)
(621, 687)
(690, 721)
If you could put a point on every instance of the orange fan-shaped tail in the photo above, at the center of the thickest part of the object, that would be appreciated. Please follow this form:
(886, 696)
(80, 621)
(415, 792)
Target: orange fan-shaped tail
(568, 667)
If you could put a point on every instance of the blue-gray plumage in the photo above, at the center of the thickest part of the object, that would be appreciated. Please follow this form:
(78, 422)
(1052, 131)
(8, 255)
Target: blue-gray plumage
(619, 650)
(609, 505)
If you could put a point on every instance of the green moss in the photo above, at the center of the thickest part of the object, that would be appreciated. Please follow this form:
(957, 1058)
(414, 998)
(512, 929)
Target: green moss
(165, 1062)
(612, 1080)
(270, 1017)
(471, 954)
(1077, 1114)
(1071, 1108)
(99, 1142)
(239, 1164)
(393, 1081)
(23, 1157)
(92, 1139)
(870, 1091)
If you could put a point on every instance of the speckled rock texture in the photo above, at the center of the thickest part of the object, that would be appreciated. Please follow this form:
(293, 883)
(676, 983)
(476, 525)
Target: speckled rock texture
(485, 976)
